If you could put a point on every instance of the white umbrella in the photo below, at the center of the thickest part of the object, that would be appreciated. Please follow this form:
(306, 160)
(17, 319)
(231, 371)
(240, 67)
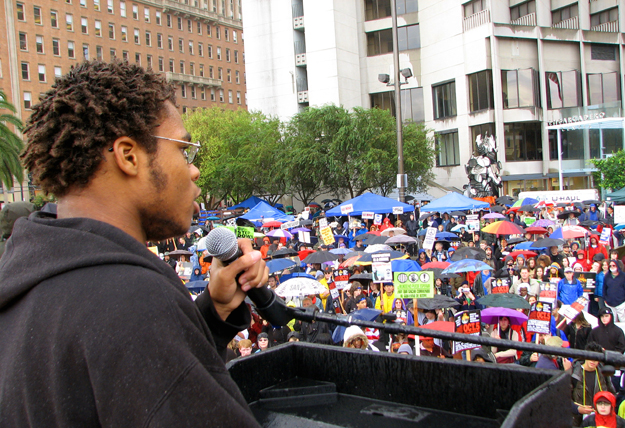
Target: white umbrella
(377, 247)
(299, 287)
(395, 230)
(401, 239)
(279, 233)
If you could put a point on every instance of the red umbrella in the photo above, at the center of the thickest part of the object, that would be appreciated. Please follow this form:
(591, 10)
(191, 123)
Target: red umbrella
(434, 265)
(304, 253)
(447, 326)
(535, 230)
(503, 228)
(525, 253)
(273, 223)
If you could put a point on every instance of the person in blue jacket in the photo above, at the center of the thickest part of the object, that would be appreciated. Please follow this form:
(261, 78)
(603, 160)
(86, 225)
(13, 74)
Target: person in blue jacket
(569, 288)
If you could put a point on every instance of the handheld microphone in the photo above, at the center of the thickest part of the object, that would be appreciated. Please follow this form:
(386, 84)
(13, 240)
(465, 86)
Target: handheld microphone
(222, 244)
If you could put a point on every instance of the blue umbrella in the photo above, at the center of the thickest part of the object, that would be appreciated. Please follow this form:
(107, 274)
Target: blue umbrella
(457, 228)
(295, 275)
(299, 229)
(446, 235)
(339, 251)
(467, 265)
(405, 265)
(196, 286)
(366, 314)
(527, 245)
(277, 265)
(620, 226)
(422, 232)
(213, 218)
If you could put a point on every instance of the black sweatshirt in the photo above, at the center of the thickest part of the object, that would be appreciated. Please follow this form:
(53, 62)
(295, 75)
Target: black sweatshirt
(98, 331)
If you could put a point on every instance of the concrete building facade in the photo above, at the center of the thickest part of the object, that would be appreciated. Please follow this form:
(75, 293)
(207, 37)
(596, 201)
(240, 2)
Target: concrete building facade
(509, 68)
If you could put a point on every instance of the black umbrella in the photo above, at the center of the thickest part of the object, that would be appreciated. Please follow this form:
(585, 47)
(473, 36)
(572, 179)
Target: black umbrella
(497, 208)
(562, 205)
(589, 223)
(468, 253)
(438, 273)
(372, 240)
(437, 302)
(325, 201)
(361, 277)
(446, 244)
(591, 201)
(409, 198)
(504, 300)
(424, 216)
(305, 222)
(284, 252)
(354, 254)
(178, 253)
(245, 223)
(457, 213)
(505, 200)
(565, 214)
(513, 241)
(364, 236)
(320, 257)
(528, 208)
(547, 242)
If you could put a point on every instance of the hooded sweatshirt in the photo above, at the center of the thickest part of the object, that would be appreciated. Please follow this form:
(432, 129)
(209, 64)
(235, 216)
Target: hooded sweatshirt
(614, 288)
(609, 336)
(99, 332)
(607, 421)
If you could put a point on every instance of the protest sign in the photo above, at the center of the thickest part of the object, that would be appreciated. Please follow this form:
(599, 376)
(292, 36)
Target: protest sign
(367, 215)
(346, 209)
(326, 235)
(398, 210)
(323, 222)
(587, 279)
(414, 285)
(154, 250)
(381, 267)
(548, 292)
(303, 237)
(467, 322)
(529, 221)
(619, 214)
(187, 270)
(341, 278)
(473, 223)
(377, 219)
(571, 311)
(289, 224)
(500, 285)
(430, 237)
(540, 318)
(245, 232)
(605, 236)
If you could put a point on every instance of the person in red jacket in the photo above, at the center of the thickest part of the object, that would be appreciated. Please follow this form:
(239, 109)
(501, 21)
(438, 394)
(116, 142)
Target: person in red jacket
(581, 260)
(595, 248)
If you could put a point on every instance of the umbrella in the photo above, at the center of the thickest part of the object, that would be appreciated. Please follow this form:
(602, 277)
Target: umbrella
(457, 213)
(366, 314)
(439, 265)
(504, 300)
(339, 251)
(524, 253)
(314, 204)
(325, 201)
(364, 236)
(528, 208)
(367, 259)
(504, 227)
(395, 230)
(543, 223)
(569, 232)
(284, 252)
(437, 302)
(212, 218)
(447, 326)
(492, 315)
(494, 216)
(337, 237)
(280, 233)
(467, 265)
(300, 229)
(273, 223)
(354, 254)
(513, 241)
(259, 235)
(305, 253)
(376, 248)
(525, 201)
(180, 253)
(565, 214)
(374, 240)
(535, 230)
(528, 245)
(446, 244)
(361, 277)
(589, 223)
(438, 273)
(497, 208)
(547, 242)
(196, 286)
(320, 257)
(349, 261)
(469, 253)
(591, 201)
(299, 287)
(446, 235)
(278, 265)
(505, 200)
(620, 226)
(458, 227)
(401, 239)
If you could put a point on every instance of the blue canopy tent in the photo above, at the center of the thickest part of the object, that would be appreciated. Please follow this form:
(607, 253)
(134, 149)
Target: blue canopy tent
(264, 211)
(454, 202)
(250, 202)
(370, 202)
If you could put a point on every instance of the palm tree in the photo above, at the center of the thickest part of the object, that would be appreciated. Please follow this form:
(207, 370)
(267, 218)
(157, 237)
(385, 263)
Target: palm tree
(10, 146)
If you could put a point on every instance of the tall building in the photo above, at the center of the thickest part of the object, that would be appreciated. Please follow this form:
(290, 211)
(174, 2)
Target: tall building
(197, 44)
(515, 69)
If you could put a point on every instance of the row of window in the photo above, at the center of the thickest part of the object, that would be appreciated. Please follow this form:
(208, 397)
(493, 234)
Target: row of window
(39, 43)
(69, 20)
(377, 9)
(381, 42)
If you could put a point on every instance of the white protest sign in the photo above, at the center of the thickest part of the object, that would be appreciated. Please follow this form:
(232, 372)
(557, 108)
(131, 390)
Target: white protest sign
(289, 224)
(323, 222)
(430, 237)
(619, 214)
(377, 219)
(605, 236)
(367, 215)
(303, 237)
(346, 209)
(398, 210)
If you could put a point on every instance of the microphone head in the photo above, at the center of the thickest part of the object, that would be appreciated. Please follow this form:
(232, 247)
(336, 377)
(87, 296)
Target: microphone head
(222, 244)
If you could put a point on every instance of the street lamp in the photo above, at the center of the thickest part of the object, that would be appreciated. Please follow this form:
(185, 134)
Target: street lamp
(385, 78)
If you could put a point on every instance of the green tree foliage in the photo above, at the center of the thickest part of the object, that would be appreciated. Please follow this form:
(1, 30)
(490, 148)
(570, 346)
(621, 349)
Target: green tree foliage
(610, 171)
(241, 154)
(10, 144)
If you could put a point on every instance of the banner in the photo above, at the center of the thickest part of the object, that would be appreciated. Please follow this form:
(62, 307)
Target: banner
(289, 224)
(587, 279)
(500, 285)
(540, 318)
(575, 308)
(377, 219)
(414, 285)
(303, 237)
(341, 278)
(529, 221)
(430, 237)
(367, 215)
(473, 223)
(605, 236)
(548, 292)
(398, 210)
(467, 322)
(245, 232)
(346, 209)
(381, 267)
(327, 236)
(323, 222)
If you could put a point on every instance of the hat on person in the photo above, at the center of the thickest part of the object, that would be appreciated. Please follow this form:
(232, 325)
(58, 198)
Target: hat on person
(294, 334)
(319, 274)
(479, 352)
(328, 270)
(262, 336)
(599, 257)
(568, 269)
(554, 341)
(554, 265)
(405, 348)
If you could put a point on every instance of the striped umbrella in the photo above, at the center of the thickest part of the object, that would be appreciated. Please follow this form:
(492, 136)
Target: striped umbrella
(503, 228)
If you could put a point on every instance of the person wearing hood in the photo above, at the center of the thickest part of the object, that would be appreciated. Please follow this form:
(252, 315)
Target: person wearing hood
(614, 290)
(354, 337)
(605, 415)
(595, 248)
(569, 288)
(196, 275)
(386, 224)
(592, 214)
(607, 334)
(581, 260)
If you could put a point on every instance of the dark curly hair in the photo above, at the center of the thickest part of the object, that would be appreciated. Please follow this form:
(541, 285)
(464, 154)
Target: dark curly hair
(84, 112)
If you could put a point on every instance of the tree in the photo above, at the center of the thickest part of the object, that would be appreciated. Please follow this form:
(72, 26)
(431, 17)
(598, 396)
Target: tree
(610, 171)
(241, 154)
(10, 145)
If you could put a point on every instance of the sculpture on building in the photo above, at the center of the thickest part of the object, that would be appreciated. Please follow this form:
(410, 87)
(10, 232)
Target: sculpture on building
(483, 169)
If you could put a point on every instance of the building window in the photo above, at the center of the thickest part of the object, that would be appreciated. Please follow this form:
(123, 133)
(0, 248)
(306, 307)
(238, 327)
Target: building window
(602, 52)
(69, 22)
(71, 50)
(169, 20)
(112, 53)
(170, 43)
(481, 91)
(199, 27)
(609, 15)
(520, 88)
(180, 23)
(411, 103)
(171, 66)
(159, 41)
(56, 47)
(227, 34)
(564, 13)
(21, 16)
(25, 71)
(572, 144)
(125, 56)
(146, 14)
(96, 5)
(230, 97)
(218, 32)
(218, 53)
(137, 36)
(238, 97)
(98, 28)
(408, 37)
(605, 142)
(220, 73)
(563, 89)
(229, 75)
(221, 95)
(84, 26)
(181, 67)
(85, 51)
(227, 55)
(37, 15)
(98, 53)
(109, 7)
(211, 73)
(189, 26)
(122, 9)
(210, 51)
(474, 7)
(181, 45)
(379, 42)
(192, 68)
(523, 141)
(157, 15)
(183, 91)
(200, 49)
(234, 36)
(161, 65)
(111, 31)
(57, 71)
(23, 42)
(203, 93)
(39, 44)
(212, 94)
(484, 130)
(209, 31)
(135, 12)
(447, 148)
(138, 58)
(603, 88)
(83, 3)
(522, 9)
(27, 100)
(444, 96)
(193, 93)
(190, 47)
(41, 72)
(124, 33)
(54, 19)
(201, 70)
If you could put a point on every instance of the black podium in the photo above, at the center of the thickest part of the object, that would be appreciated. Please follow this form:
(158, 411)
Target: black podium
(306, 385)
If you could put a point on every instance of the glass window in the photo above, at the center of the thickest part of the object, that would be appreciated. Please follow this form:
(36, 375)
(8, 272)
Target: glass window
(603, 88)
(109, 6)
(23, 42)
(220, 73)
(39, 43)
(157, 15)
(111, 31)
(41, 71)
(201, 70)
(98, 53)
(523, 141)
(199, 27)
(170, 43)
(209, 30)
(112, 53)
(148, 38)
(56, 47)
(221, 95)
(122, 9)
(189, 26)
(146, 14)
(171, 65)
(159, 41)
(137, 36)
(218, 53)
(124, 55)
(183, 90)
(412, 105)
(27, 100)
(83, 3)
(200, 49)
(135, 12)
(481, 91)
(190, 47)
(522, 9)
(376, 9)
(227, 34)
(98, 28)
(124, 33)
(602, 52)
(227, 55)
(192, 68)
(180, 23)
(203, 93)
(229, 75)
(520, 88)
(210, 51)
(609, 15)
(211, 74)
(71, 50)
(181, 65)
(218, 32)
(406, 6)
(572, 144)
(563, 89)
(238, 97)
(138, 58)
(69, 22)
(25, 71)
(37, 15)
(379, 42)
(444, 97)
(612, 142)
(169, 24)
(236, 57)
(85, 51)
(212, 94)
(230, 97)
(564, 13)
(408, 38)
(54, 19)
(19, 8)
(237, 77)
(57, 71)
(84, 25)
(484, 130)
(193, 93)
(96, 5)
(447, 148)
(161, 65)
(234, 36)
(181, 45)
(474, 7)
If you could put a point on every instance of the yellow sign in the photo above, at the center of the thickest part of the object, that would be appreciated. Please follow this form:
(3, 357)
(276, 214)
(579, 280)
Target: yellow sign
(327, 235)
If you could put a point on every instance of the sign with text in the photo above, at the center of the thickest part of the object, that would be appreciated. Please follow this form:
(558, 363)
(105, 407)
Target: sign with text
(467, 322)
(587, 279)
(575, 308)
(605, 236)
(540, 318)
(323, 222)
(245, 232)
(303, 237)
(430, 237)
(473, 223)
(326, 235)
(367, 215)
(529, 221)
(548, 292)
(381, 267)
(414, 285)
(619, 214)
(398, 210)
(341, 278)
(500, 285)
(377, 219)
(289, 225)
(346, 209)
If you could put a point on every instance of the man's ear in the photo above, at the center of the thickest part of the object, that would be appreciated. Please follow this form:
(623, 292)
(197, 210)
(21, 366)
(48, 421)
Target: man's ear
(127, 153)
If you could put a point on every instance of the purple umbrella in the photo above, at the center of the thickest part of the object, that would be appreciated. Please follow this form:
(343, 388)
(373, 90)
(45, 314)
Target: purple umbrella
(279, 233)
(300, 229)
(543, 223)
(492, 315)
(494, 215)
